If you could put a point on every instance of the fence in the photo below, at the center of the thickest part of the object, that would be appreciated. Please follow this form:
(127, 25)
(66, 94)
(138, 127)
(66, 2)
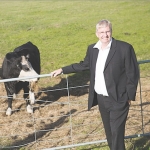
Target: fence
(61, 120)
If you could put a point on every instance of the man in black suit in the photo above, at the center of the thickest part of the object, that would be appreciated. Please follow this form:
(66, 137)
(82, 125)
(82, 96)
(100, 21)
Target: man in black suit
(114, 78)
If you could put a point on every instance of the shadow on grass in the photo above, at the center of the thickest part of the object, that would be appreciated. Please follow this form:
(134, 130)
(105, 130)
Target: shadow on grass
(142, 143)
(76, 87)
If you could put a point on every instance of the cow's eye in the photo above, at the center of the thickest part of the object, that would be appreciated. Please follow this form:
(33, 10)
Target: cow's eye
(18, 66)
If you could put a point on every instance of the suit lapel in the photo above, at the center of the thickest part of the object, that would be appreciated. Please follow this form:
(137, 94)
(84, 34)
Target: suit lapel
(111, 53)
(95, 55)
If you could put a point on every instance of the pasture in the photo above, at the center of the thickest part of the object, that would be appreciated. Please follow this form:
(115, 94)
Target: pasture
(62, 30)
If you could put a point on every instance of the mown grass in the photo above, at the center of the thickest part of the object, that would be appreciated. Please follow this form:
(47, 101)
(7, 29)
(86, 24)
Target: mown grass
(62, 29)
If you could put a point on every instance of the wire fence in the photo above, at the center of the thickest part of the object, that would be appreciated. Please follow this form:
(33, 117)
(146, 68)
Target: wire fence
(61, 120)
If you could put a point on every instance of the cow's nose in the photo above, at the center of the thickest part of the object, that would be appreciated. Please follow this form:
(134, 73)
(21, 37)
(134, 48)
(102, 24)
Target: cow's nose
(25, 68)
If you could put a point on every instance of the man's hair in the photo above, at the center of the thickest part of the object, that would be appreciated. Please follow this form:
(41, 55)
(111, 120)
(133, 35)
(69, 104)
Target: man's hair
(103, 23)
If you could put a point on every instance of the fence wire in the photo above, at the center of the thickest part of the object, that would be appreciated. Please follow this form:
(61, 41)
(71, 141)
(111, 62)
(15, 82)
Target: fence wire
(61, 120)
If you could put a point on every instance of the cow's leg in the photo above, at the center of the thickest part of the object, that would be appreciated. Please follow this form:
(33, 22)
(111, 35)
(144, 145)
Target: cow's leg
(9, 109)
(26, 94)
(33, 86)
(31, 97)
(10, 91)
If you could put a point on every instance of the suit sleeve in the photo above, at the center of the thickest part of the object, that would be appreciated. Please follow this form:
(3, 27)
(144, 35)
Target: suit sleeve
(132, 72)
(78, 67)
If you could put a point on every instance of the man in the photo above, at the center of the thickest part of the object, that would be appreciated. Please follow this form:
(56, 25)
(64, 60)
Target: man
(114, 77)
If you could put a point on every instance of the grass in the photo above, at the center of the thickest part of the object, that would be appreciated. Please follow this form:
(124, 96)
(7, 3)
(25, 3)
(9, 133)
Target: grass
(142, 143)
(62, 29)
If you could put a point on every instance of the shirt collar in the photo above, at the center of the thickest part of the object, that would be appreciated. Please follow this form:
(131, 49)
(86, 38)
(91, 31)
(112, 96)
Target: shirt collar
(99, 43)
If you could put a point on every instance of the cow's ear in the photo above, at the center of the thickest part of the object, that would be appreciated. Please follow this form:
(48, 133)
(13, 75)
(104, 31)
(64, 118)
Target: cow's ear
(9, 56)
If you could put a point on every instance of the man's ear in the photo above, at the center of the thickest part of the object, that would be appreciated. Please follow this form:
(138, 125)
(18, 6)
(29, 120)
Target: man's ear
(96, 34)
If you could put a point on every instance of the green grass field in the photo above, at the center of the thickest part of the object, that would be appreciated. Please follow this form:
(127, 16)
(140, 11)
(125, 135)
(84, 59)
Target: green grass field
(62, 29)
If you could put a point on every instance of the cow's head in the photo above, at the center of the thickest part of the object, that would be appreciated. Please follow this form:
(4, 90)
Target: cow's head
(12, 65)
(25, 64)
(18, 65)
(27, 69)
(19, 62)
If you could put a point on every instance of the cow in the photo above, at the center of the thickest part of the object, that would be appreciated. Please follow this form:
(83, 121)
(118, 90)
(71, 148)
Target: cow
(22, 62)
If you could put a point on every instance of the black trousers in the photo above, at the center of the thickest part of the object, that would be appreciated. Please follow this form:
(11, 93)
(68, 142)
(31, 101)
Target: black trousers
(114, 120)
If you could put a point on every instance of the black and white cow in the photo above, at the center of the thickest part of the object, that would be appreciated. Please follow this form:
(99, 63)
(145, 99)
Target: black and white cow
(23, 61)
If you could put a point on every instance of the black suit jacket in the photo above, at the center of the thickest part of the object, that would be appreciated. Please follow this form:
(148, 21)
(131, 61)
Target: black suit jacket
(121, 72)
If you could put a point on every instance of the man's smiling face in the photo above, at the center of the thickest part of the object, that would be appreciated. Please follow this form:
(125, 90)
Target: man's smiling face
(104, 34)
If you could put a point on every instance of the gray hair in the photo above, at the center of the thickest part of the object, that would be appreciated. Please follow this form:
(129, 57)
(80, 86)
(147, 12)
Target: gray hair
(103, 23)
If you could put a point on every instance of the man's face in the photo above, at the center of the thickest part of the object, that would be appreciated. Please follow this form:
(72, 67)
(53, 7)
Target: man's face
(104, 34)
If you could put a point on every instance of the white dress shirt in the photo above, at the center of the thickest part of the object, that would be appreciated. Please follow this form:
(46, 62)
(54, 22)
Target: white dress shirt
(100, 86)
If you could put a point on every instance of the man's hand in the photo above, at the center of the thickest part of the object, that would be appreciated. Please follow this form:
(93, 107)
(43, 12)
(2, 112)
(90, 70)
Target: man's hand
(56, 72)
